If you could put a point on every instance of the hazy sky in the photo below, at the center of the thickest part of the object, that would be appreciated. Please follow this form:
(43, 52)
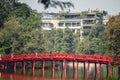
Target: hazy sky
(112, 6)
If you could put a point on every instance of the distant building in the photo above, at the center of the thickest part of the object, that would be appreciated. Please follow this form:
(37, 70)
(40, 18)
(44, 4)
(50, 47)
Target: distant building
(75, 21)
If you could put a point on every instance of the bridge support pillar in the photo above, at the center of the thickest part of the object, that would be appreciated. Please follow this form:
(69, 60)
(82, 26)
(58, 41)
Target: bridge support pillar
(76, 70)
(24, 67)
(88, 70)
(43, 68)
(5, 66)
(53, 69)
(118, 71)
(111, 70)
(95, 71)
(107, 71)
(64, 63)
(84, 65)
(99, 71)
(33, 67)
(15, 67)
(73, 69)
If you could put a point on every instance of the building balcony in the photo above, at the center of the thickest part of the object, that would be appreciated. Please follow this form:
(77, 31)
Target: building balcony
(47, 28)
(88, 24)
(71, 27)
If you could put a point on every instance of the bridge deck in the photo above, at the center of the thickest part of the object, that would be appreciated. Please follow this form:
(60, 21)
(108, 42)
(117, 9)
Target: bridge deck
(69, 57)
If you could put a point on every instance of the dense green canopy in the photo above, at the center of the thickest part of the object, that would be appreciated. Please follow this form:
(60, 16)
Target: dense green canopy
(21, 32)
(113, 35)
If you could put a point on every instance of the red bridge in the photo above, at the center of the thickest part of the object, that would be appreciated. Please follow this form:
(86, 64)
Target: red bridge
(64, 58)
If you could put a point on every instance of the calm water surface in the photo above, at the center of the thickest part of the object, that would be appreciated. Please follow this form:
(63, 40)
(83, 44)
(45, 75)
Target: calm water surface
(37, 75)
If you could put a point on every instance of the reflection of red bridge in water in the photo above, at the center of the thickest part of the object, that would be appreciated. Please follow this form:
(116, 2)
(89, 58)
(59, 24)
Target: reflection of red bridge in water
(64, 58)
(8, 76)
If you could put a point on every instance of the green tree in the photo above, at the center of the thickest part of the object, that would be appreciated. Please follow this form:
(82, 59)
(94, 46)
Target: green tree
(31, 36)
(21, 36)
(58, 40)
(55, 3)
(49, 41)
(12, 7)
(93, 41)
(9, 35)
(98, 39)
(5, 9)
(101, 44)
(67, 41)
(113, 36)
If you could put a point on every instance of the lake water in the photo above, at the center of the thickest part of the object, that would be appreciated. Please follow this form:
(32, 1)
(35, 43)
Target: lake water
(59, 74)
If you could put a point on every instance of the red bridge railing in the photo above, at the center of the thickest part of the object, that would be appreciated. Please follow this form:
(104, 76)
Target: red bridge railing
(42, 56)
(75, 58)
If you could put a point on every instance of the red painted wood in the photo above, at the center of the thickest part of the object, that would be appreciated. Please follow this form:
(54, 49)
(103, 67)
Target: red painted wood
(99, 71)
(43, 68)
(24, 67)
(76, 70)
(53, 69)
(5, 66)
(64, 69)
(111, 70)
(88, 70)
(84, 65)
(14, 67)
(78, 57)
(33, 67)
(54, 57)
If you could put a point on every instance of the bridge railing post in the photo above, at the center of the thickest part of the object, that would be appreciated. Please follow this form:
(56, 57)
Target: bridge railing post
(36, 54)
(11, 56)
(0, 57)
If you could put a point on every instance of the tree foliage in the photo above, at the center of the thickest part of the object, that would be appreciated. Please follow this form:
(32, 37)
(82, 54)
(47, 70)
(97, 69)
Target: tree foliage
(12, 7)
(21, 33)
(55, 3)
(59, 41)
(113, 35)
(93, 42)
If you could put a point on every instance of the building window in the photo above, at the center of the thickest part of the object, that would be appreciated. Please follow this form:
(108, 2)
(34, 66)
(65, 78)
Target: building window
(74, 24)
(78, 24)
(61, 24)
(50, 25)
(67, 24)
(91, 16)
(86, 27)
(88, 21)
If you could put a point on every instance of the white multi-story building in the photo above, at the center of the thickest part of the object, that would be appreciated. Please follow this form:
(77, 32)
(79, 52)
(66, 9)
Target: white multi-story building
(75, 21)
